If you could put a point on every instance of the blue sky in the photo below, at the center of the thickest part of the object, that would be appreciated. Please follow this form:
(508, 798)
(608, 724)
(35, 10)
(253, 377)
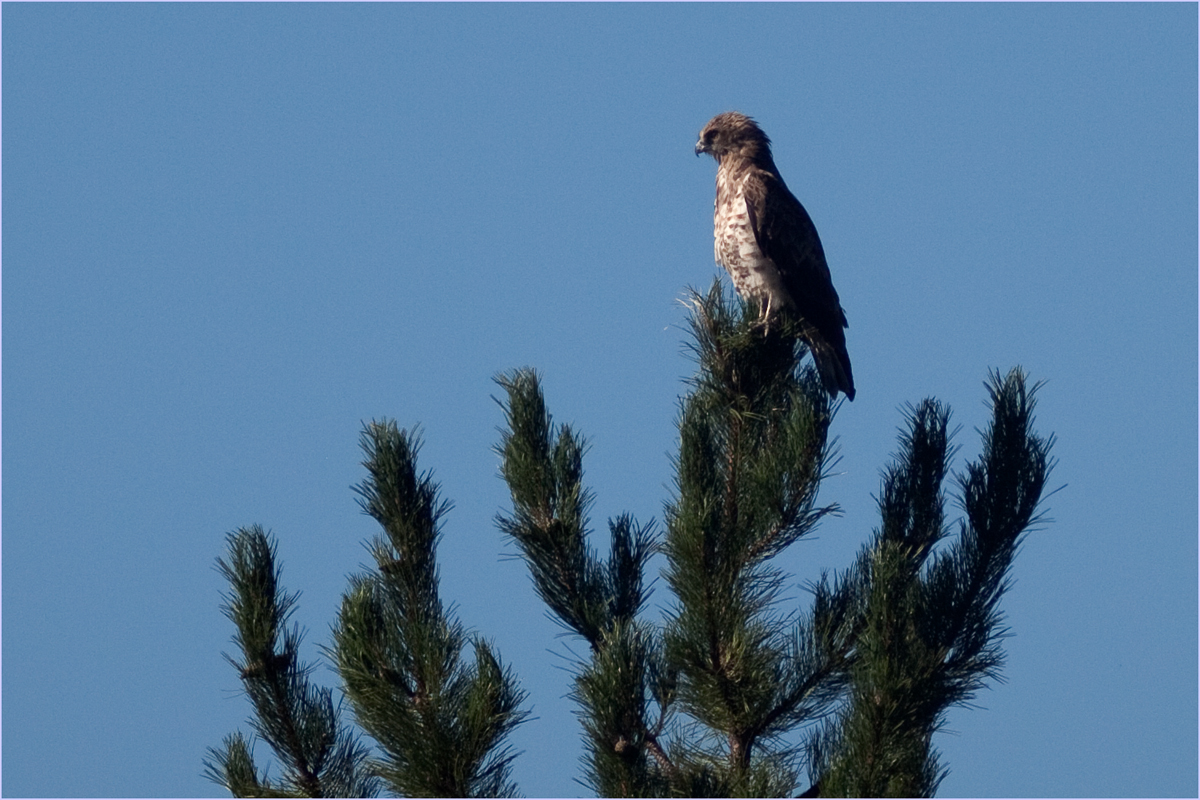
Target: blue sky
(232, 233)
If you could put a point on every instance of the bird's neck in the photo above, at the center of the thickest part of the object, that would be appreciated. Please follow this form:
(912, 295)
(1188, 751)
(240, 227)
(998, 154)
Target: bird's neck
(734, 167)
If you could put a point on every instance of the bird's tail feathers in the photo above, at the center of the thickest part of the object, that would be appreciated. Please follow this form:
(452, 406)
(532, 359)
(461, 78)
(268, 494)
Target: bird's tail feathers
(833, 367)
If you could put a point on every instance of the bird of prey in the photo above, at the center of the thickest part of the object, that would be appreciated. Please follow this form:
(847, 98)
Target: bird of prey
(769, 246)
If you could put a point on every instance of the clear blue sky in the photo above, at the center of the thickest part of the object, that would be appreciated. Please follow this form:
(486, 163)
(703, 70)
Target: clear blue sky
(231, 233)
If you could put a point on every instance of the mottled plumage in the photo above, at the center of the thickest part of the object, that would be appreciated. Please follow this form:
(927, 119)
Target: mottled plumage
(766, 241)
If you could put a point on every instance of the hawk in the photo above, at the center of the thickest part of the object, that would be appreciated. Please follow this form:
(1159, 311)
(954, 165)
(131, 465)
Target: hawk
(769, 246)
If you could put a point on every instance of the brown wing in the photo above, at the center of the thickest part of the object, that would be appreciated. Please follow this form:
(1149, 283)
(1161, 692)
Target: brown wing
(786, 235)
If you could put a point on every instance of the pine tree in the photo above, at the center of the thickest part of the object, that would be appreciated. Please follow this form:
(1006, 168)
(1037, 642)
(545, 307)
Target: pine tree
(730, 694)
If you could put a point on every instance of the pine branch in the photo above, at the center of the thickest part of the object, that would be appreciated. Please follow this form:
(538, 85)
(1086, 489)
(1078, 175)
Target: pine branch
(440, 722)
(929, 636)
(1000, 493)
(543, 466)
(298, 720)
(232, 766)
(753, 449)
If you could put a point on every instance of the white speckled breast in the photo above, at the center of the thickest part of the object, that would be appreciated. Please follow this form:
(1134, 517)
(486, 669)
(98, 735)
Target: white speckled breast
(736, 248)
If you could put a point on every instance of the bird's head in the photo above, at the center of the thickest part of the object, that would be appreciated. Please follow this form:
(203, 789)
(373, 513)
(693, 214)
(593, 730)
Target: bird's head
(734, 134)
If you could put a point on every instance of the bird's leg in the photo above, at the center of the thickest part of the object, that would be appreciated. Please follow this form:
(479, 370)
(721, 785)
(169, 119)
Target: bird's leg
(765, 318)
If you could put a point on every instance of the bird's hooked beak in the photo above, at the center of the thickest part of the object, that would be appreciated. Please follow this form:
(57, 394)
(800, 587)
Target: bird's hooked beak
(700, 148)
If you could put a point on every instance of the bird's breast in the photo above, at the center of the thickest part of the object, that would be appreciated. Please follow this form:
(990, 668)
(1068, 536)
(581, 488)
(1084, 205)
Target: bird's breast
(736, 249)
